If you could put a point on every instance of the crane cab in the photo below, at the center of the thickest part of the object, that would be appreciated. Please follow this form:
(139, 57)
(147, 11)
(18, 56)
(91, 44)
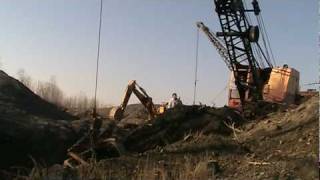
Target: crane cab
(282, 86)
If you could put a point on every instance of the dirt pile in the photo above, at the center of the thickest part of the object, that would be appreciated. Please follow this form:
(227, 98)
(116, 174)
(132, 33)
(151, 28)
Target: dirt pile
(30, 126)
(176, 123)
(15, 96)
(114, 139)
(280, 145)
(287, 141)
(134, 114)
(209, 142)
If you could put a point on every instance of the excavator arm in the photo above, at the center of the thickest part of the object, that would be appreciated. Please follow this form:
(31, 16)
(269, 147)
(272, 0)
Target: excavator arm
(127, 95)
(117, 112)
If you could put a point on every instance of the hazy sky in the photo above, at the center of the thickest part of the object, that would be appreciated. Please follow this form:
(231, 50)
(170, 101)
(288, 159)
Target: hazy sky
(152, 41)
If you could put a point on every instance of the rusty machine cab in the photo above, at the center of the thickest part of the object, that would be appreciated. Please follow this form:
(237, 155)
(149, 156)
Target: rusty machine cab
(281, 85)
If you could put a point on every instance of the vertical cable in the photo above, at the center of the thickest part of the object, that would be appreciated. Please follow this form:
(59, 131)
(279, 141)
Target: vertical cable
(97, 67)
(196, 69)
(268, 41)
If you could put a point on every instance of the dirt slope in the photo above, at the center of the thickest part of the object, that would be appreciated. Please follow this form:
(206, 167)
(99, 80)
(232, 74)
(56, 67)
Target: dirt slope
(133, 114)
(282, 145)
(287, 140)
(15, 96)
(30, 126)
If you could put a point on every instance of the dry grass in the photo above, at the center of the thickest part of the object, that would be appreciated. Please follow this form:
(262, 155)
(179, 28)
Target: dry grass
(140, 169)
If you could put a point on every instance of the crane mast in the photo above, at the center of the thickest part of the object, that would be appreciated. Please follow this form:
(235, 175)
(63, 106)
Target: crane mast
(238, 35)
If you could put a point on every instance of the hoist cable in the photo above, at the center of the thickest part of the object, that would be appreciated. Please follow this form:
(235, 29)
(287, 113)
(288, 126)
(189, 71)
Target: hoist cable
(265, 38)
(258, 54)
(247, 17)
(220, 92)
(97, 65)
(269, 63)
(266, 54)
(268, 40)
(196, 69)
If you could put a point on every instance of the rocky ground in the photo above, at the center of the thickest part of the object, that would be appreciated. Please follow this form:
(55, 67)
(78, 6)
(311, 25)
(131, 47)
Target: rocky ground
(279, 145)
(189, 142)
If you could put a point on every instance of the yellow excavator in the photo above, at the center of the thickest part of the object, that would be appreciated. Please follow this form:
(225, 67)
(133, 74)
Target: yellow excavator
(117, 113)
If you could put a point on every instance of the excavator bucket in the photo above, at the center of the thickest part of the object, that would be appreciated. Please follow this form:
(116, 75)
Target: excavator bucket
(116, 113)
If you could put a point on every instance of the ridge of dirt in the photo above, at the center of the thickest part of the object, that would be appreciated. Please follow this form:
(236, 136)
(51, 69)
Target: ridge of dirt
(279, 145)
(16, 97)
(286, 142)
(134, 114)
(31, 127)
(282, 145)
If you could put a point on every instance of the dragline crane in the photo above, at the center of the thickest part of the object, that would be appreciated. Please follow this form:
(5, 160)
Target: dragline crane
(254, 77)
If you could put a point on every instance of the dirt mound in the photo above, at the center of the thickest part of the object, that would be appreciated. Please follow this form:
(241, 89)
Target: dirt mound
(198, 142)
(30, 126)
(194, 143)
(176, 123)
(134, 114)
(286, 141)
(167, 128)
(14, 95)
(283, 145)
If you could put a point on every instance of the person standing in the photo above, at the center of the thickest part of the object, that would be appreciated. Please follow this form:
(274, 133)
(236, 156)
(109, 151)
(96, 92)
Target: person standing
(174, 101)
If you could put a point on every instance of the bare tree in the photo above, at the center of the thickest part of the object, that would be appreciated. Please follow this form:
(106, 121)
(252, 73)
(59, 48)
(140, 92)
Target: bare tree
(55, 92)
(24, 78)
(79, 103)
(50, 91)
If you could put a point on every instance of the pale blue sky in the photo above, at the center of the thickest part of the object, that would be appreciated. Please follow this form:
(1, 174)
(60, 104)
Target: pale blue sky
(152, 41)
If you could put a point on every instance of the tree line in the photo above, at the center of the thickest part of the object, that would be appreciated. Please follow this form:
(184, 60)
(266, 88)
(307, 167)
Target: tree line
(51, 92)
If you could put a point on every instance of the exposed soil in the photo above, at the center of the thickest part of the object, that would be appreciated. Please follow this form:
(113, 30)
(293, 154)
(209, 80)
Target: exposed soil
(14, 96)
(188, 142)
(281, 145)
(134, 114)
(30, 127)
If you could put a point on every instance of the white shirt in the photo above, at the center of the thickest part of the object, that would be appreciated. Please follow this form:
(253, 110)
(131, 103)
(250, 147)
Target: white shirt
(173, 103)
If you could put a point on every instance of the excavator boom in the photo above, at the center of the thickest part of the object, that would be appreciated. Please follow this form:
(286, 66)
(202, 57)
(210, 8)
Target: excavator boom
(118, 112)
